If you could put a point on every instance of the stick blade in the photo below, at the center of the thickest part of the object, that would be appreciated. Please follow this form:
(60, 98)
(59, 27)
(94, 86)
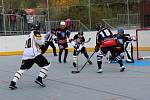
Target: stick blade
(75, 72)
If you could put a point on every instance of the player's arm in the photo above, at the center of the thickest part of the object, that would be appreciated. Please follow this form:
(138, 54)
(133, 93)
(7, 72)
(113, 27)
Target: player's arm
(98, 41)
(82, 40)
(38, 41)
(68, 33)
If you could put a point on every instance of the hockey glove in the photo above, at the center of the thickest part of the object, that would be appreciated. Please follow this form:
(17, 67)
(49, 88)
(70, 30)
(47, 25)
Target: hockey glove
(44, 48)
(56, 40)
(96, 48)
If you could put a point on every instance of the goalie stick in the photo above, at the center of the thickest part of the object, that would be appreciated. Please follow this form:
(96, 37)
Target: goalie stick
(78, 71)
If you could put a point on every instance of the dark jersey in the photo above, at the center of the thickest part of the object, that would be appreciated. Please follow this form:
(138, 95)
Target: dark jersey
(79, 40)
(62, 35)
(104, 37)
(122, 38)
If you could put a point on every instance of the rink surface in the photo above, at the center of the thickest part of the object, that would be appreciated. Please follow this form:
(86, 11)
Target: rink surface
(133, 84)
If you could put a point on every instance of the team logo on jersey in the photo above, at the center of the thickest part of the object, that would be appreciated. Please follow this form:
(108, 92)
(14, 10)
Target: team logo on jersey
(63, 34)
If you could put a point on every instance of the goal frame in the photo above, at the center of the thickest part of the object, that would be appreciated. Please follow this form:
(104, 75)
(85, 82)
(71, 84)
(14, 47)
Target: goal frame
(137, 44)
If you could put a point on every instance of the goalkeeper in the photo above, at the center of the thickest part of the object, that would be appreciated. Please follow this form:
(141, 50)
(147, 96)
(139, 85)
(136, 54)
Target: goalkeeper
(124, 44)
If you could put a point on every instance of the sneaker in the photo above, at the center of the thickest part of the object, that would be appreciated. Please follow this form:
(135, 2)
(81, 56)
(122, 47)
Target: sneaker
(12, 85)
(39, 81)
(99, 71)
(55, 54)
(60, 61)
(90, 62)
(122, 69)
(65, 61)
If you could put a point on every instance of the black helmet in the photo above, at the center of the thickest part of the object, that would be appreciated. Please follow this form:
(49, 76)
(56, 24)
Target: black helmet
(81, 33)
(35, 27)
(120, 30)
(99, 26)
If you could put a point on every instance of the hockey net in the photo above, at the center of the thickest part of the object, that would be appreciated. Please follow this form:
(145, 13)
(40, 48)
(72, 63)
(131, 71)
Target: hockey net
(143, 43)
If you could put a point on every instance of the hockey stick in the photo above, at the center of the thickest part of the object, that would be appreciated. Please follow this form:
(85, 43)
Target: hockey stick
(78, 71)
(89, 39)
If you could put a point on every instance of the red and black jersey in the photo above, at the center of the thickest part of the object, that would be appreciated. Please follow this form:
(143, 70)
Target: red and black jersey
(105, 38)
(62, 35)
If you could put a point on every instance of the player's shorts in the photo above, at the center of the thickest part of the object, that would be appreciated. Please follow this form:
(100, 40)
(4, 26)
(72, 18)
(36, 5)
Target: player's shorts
(40, 60)
(63, 46)
(112, 50)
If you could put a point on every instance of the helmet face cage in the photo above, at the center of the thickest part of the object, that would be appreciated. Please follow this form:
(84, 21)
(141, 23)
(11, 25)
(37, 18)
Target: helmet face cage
(35, 27)
(99, 27)
(120, 30)
(53, 31)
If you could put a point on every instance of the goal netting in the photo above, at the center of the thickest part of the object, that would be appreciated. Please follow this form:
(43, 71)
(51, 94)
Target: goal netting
(143, 43)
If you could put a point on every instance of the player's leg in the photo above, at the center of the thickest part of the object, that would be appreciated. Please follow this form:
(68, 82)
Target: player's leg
(100, 55)
(75, 59)
(26, 64)
(60, 52)
(66, 52)
(83, 51)
(41, 61)
(65, 55)
(117, 57)
(54, 48)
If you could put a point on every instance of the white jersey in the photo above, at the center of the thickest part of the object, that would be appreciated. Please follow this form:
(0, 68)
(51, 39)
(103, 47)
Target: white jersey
(49, 37)
(32, 46)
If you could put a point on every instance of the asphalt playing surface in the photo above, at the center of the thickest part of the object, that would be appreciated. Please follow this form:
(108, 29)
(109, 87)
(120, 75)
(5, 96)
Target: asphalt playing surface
(61, 84)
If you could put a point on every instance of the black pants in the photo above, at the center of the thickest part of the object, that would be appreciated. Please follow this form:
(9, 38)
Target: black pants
(40, 60)
(53, 47)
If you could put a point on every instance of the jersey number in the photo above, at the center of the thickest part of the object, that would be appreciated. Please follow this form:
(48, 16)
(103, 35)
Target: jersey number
(28, 43)
(106, 33)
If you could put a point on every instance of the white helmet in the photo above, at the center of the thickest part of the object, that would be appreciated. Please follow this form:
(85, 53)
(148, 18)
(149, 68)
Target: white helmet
(62, 23)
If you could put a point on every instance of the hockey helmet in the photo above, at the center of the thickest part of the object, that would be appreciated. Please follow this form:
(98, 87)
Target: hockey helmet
(80, 33)
(120, 30)
(62, 23)
(35, 27)
(99, 26)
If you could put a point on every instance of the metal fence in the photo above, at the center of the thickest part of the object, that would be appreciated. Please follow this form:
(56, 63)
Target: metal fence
(123, 20)
(74, 25)
(14, 24)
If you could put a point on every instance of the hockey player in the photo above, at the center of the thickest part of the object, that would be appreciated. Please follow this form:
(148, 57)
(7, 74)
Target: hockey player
(124, 43)
(63, 36)
(78, 44)
(104, 43)
(32, 54)
(49, 38)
